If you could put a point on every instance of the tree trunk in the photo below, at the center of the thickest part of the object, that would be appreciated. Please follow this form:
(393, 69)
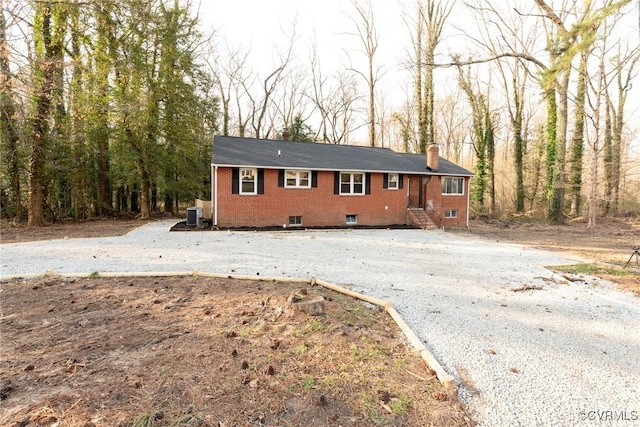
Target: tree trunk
(537, 167)
(577, 142)
(593, 190)
(490, 147)
(609, 179)
(372, 105)
(77, 111)
(422, 143)
(550, 137)
(595, 144)
(518, 156)
(101, 99)
(556, 211)
(44, 74)
(9, 138)
(145, 194)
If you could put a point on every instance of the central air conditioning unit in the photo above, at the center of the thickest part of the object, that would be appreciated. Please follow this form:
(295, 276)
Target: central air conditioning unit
(194, 216)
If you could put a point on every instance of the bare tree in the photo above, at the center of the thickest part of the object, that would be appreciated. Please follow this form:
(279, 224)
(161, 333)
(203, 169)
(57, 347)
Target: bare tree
(335, 98)
(228, 75)
(624, 63)
(564, 42)
(426, 28)
(510, 33)
(367, 33)
(293, 99)
(483, 138)
(452, 125)
(260, 105)
(577, 140)
(435, 13)
(595, 140)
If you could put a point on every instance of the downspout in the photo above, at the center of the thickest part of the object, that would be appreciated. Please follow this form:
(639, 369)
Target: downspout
(468, 199)
(214, 193)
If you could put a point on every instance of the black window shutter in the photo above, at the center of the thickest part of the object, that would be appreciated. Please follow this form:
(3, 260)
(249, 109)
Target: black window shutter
(336, 183)
(281, 178)
(400, 181)
(235, 181)
(260, 181)
(385, 180)
(367, 185)
(314, 178)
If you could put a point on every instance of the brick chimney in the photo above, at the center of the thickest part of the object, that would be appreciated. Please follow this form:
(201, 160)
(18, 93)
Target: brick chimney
(286, 135)
(433, 157)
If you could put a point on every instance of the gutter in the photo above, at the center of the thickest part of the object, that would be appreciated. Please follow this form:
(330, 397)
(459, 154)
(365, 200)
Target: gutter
(322, 169)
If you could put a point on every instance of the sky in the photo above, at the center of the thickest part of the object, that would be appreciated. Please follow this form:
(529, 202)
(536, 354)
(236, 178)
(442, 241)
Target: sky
(260, 25)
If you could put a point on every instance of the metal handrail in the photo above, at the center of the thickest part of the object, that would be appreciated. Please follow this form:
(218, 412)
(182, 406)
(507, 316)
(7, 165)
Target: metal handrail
(435, 217)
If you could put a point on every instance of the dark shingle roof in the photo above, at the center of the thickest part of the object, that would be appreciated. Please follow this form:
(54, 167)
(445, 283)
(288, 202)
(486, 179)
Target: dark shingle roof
(277, 154)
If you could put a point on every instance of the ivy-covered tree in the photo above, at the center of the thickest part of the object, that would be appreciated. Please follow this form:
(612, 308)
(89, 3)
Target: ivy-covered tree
(48, 30)
(483, 141)
(9, 129)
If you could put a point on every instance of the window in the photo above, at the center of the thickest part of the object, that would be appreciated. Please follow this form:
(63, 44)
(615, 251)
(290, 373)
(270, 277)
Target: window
(451, 213)
(248, 183)
(392, 181)
(352, 183)
(295, 220)
(352, 219)
(453, 186)
(297, 179)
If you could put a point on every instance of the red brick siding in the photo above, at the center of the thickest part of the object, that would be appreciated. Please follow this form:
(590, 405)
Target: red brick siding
(454, 201)
(318, 206)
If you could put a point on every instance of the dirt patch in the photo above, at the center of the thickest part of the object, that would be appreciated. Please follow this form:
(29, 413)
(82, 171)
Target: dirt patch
(15, 233)
(612, 241)
(207, 352)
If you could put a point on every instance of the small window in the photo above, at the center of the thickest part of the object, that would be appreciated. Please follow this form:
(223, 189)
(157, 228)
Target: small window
(392, 181)
(451, 213)
(295, 220)
(248, 181)
(352, 219)
(352, 183)
(297, 179)
(453, 186)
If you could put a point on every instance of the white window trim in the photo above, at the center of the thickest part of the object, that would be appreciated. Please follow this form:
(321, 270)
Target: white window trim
(352, 183)
(255, 181)
(453, 213)
(355, 216)
(297, 184)
(396, 182)
(461, 186)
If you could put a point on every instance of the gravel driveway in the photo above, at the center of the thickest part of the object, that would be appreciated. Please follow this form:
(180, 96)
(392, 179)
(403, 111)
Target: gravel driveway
(567, 354)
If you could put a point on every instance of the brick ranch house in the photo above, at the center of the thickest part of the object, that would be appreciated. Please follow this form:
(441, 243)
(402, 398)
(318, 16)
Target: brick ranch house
(266, 183)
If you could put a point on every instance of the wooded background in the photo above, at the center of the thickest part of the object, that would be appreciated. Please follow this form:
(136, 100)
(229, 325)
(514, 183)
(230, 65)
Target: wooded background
(109, 107)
